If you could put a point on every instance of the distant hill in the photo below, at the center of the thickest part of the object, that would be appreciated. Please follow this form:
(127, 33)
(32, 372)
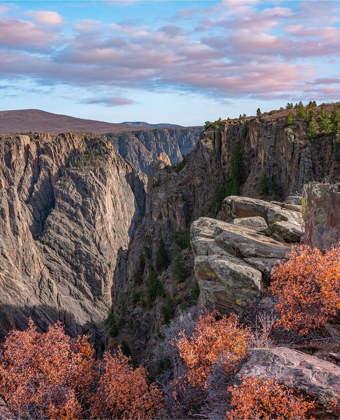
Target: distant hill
(35, 120)
(145, 124)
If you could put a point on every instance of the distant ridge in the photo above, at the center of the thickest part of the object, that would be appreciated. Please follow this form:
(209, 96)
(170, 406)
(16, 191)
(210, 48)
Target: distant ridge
(37, 121)
(145, 124)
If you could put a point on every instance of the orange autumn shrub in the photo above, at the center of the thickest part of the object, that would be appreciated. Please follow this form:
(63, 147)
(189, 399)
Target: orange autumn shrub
(307, 287)
(123, 392)
(265, 399)
(212, 341)
(46, 375)
(52, 375)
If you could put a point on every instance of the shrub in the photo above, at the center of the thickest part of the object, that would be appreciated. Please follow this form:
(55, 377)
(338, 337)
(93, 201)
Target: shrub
(258, 112)
(46, 375)
(212, 340)
(51, 375)
(123, 392)
(265, 399)
(307, 286)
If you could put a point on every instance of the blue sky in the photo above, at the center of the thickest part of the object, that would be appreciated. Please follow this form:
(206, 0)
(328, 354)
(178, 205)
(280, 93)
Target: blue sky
(167, 61)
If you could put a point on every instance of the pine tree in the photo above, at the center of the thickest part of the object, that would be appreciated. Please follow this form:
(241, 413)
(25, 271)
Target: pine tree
(162, 259)
(325, 121)
(258, 112)
(335, 119)
(179, 269)
(290, 120)
(313, 127)
(264, 185)
(301, 110)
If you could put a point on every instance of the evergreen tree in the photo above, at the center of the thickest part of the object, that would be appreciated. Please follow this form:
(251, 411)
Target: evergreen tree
(162, 259)
(264, 185)
(236, 167)
(313, 127)
(179, 269)
(301, 110)
(335, 119)
(290, 120)
(325, 121)
(168, 308)
(258, 112)
(154, 286)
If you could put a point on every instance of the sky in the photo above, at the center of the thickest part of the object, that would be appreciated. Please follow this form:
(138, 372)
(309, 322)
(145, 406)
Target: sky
(181, 62)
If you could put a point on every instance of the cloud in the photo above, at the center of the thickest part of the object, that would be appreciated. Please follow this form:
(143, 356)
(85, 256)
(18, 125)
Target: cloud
(109, 102)
(241, 50)
(22, 34)
(47, 18)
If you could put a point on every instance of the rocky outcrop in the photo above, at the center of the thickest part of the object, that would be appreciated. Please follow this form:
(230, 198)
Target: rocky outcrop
(142, 147)
(232, 263)
(69, 206)
(303, 373)
(284, 219)
(321, 211)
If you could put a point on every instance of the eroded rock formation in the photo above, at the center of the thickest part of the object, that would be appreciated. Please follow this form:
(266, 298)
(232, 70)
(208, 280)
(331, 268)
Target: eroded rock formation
(69, 206)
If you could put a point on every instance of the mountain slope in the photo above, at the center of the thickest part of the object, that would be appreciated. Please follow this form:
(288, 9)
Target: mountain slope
(36, 121)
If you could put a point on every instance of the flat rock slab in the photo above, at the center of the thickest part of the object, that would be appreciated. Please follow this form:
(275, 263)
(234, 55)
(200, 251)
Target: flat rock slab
(256, 223)
(301, 372)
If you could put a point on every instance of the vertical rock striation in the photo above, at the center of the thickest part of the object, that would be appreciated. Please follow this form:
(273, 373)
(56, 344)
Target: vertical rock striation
(69, 204)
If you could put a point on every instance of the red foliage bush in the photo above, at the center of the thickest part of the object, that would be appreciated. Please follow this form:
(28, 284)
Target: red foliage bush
(211, 341)
(46, 375)
(123, 392)
(51, 375)
(265, 399)
(308, 288)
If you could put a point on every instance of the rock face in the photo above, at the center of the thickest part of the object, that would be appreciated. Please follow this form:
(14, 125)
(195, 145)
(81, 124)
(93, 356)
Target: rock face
(232, 263)
(303, 373)
(321, 210)
(284, 220)
(142, 147)
(69, 206)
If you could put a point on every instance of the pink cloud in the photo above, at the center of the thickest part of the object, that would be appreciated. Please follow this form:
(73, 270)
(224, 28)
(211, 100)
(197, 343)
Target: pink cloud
(47, 18)
(25, 34)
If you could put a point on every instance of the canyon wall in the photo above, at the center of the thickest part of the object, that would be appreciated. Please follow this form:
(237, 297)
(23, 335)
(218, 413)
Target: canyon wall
(69, 205)
(142, 147)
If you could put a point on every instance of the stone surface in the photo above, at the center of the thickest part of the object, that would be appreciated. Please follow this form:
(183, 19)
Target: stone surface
(232, 263)
(284, 222)
(303, 373)
(69, 205)
(321, 211)
(256, 222)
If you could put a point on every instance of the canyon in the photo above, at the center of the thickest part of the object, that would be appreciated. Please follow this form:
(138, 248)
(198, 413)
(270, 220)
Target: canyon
(77, 218)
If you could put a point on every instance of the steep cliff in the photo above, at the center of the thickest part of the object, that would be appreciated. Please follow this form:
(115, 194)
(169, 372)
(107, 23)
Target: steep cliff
(142, 147)
(255, 157)
(69, 206)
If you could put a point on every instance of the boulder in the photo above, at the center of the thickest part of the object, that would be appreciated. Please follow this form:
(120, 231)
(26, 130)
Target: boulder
(321, 211)
(256, 223)
(303, 373)
(287, 231)
(232, 263)
(294, 199)
(284, 220)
